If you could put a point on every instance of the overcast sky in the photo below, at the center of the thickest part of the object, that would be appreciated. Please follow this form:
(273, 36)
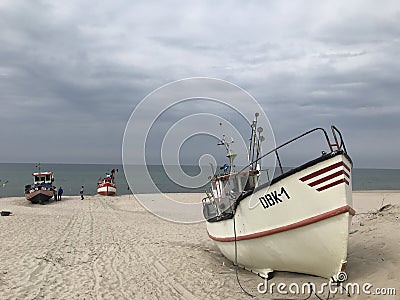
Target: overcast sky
(71, 72)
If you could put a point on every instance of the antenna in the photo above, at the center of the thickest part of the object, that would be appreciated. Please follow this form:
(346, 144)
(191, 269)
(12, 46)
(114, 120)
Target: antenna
(259, 141)
(255, 143)
(253, 140)
(229, 153)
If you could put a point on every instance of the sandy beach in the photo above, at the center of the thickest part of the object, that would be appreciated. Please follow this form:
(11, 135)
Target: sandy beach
(112, 248)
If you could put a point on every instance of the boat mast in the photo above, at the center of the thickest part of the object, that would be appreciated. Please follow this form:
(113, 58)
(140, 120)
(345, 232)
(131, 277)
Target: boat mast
(229, 153)
(260, 139)
(254, 138)
(255, 143)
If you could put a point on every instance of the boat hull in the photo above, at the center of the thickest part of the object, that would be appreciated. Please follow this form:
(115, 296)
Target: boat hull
(107, 189)
(299, 223)
(39, 196)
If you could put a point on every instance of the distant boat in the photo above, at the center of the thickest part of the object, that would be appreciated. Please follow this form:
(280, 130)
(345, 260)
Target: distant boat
(106, 186)
(41, 190)
(298, 221)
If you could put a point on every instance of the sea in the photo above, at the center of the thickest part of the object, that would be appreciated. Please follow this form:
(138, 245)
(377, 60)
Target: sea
(14, 176)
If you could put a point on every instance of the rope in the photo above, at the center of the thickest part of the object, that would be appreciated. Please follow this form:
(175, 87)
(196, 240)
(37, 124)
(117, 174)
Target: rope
(236, 263)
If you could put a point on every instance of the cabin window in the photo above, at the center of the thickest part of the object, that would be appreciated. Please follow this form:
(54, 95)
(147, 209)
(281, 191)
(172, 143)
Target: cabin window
(47, 177)
(39, 178)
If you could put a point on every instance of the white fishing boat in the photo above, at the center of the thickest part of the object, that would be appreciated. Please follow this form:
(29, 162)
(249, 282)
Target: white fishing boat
(106, 186)
(297, 222)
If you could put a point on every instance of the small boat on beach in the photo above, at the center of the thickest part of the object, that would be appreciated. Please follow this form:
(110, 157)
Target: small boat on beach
(41, 190)
(297, 221)
(106, 186)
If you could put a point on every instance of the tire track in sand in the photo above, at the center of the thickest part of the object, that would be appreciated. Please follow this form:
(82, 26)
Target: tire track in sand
(107, 282)
(38, 277)
(162, 278)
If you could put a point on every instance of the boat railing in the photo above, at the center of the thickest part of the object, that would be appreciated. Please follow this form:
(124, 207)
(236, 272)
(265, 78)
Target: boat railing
(337, 145)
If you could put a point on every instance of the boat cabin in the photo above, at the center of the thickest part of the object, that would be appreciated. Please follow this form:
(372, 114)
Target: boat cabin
(232, 185)
(108, 179)
(43, 177)
(226, 193)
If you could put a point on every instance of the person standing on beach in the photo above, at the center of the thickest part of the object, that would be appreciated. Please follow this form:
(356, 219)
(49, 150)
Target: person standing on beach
(60, 192)
(81, 192)
(55, 193)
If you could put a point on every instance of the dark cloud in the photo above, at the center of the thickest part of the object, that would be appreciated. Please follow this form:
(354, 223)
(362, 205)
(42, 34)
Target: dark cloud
(74, 71)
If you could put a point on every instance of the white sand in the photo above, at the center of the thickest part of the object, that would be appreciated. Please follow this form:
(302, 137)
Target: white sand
(112, 248)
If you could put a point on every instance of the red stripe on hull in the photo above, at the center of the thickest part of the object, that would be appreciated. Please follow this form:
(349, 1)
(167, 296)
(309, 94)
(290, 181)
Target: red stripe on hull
(323, 216)
(326, 178)
(324, 170)
(109, 193)
(106, 184)
(322, 188)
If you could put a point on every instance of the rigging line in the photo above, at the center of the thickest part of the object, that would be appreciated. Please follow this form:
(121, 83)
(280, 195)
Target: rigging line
(236, 263)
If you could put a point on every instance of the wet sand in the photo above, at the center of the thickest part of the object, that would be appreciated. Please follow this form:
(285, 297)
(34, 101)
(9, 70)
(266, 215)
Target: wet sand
(112, 248)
